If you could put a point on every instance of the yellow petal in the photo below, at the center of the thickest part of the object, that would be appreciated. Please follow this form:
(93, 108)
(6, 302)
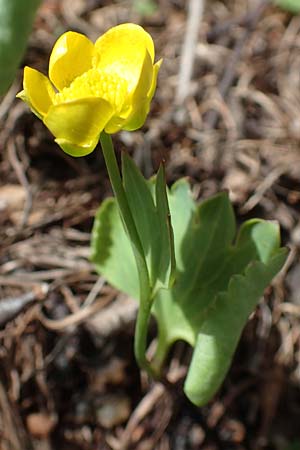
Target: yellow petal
(156, 68)
(121, 51)
(136, 106)
(79, 122)
(114, 125)
(141, 102)
(76, 150)
(138, 117)
(71, 56)
(38, 91)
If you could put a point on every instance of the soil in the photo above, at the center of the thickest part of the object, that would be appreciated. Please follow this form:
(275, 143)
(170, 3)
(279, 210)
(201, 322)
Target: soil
(68, 378)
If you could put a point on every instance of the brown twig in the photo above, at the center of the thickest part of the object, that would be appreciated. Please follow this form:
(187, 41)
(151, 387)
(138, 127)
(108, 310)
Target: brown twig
(143, 408)
(11, 307)
(75, 318)
(20, 172)
(120, 314)
(195, 12)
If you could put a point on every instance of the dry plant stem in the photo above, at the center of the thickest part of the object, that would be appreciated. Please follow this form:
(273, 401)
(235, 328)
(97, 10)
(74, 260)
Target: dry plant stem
(188, 50)
(141, 411)
(140, 340)
(17, 166)
(12, 306)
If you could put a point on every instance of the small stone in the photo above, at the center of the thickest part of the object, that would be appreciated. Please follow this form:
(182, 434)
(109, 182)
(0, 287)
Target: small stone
(114, 410)
(197, 435)
(40, 425)
(295, 235)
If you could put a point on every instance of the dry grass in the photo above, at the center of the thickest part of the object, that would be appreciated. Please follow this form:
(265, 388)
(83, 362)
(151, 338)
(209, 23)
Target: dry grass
(62, 376)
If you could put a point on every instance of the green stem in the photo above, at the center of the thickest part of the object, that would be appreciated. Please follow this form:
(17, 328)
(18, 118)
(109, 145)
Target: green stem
(140, 337)
(140, 340)
(161, 351)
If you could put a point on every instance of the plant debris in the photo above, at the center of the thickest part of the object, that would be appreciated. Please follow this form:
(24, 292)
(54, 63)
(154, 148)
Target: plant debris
(68, 378)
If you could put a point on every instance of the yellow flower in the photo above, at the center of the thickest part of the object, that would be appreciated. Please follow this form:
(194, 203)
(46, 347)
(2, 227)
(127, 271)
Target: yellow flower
(94, 87)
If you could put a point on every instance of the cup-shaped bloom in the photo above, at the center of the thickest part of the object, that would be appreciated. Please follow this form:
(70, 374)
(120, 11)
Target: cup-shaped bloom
(94, 87)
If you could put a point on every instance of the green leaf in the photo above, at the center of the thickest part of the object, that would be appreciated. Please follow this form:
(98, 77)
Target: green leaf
(111, 251)
(182, 207)
(219, 334)
(263, 236)
(218, 281)
(152, 220)
(290, 5)
(202, 308)
(203, 271)
(164, 247)
(209, 235)
(16, 17)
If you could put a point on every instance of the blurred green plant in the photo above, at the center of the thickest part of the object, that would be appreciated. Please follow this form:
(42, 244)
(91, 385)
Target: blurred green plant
(145, 7)
(290, 5)
(16, 18)
(295, 445)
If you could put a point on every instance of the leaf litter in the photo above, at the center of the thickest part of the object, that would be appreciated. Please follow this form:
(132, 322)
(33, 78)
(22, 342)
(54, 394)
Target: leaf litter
(68, 376)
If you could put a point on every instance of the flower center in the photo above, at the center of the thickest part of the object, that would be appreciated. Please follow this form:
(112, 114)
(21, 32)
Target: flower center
(96, 83)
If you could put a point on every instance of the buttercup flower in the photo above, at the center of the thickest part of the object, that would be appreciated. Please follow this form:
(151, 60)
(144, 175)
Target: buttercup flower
(94, 87)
